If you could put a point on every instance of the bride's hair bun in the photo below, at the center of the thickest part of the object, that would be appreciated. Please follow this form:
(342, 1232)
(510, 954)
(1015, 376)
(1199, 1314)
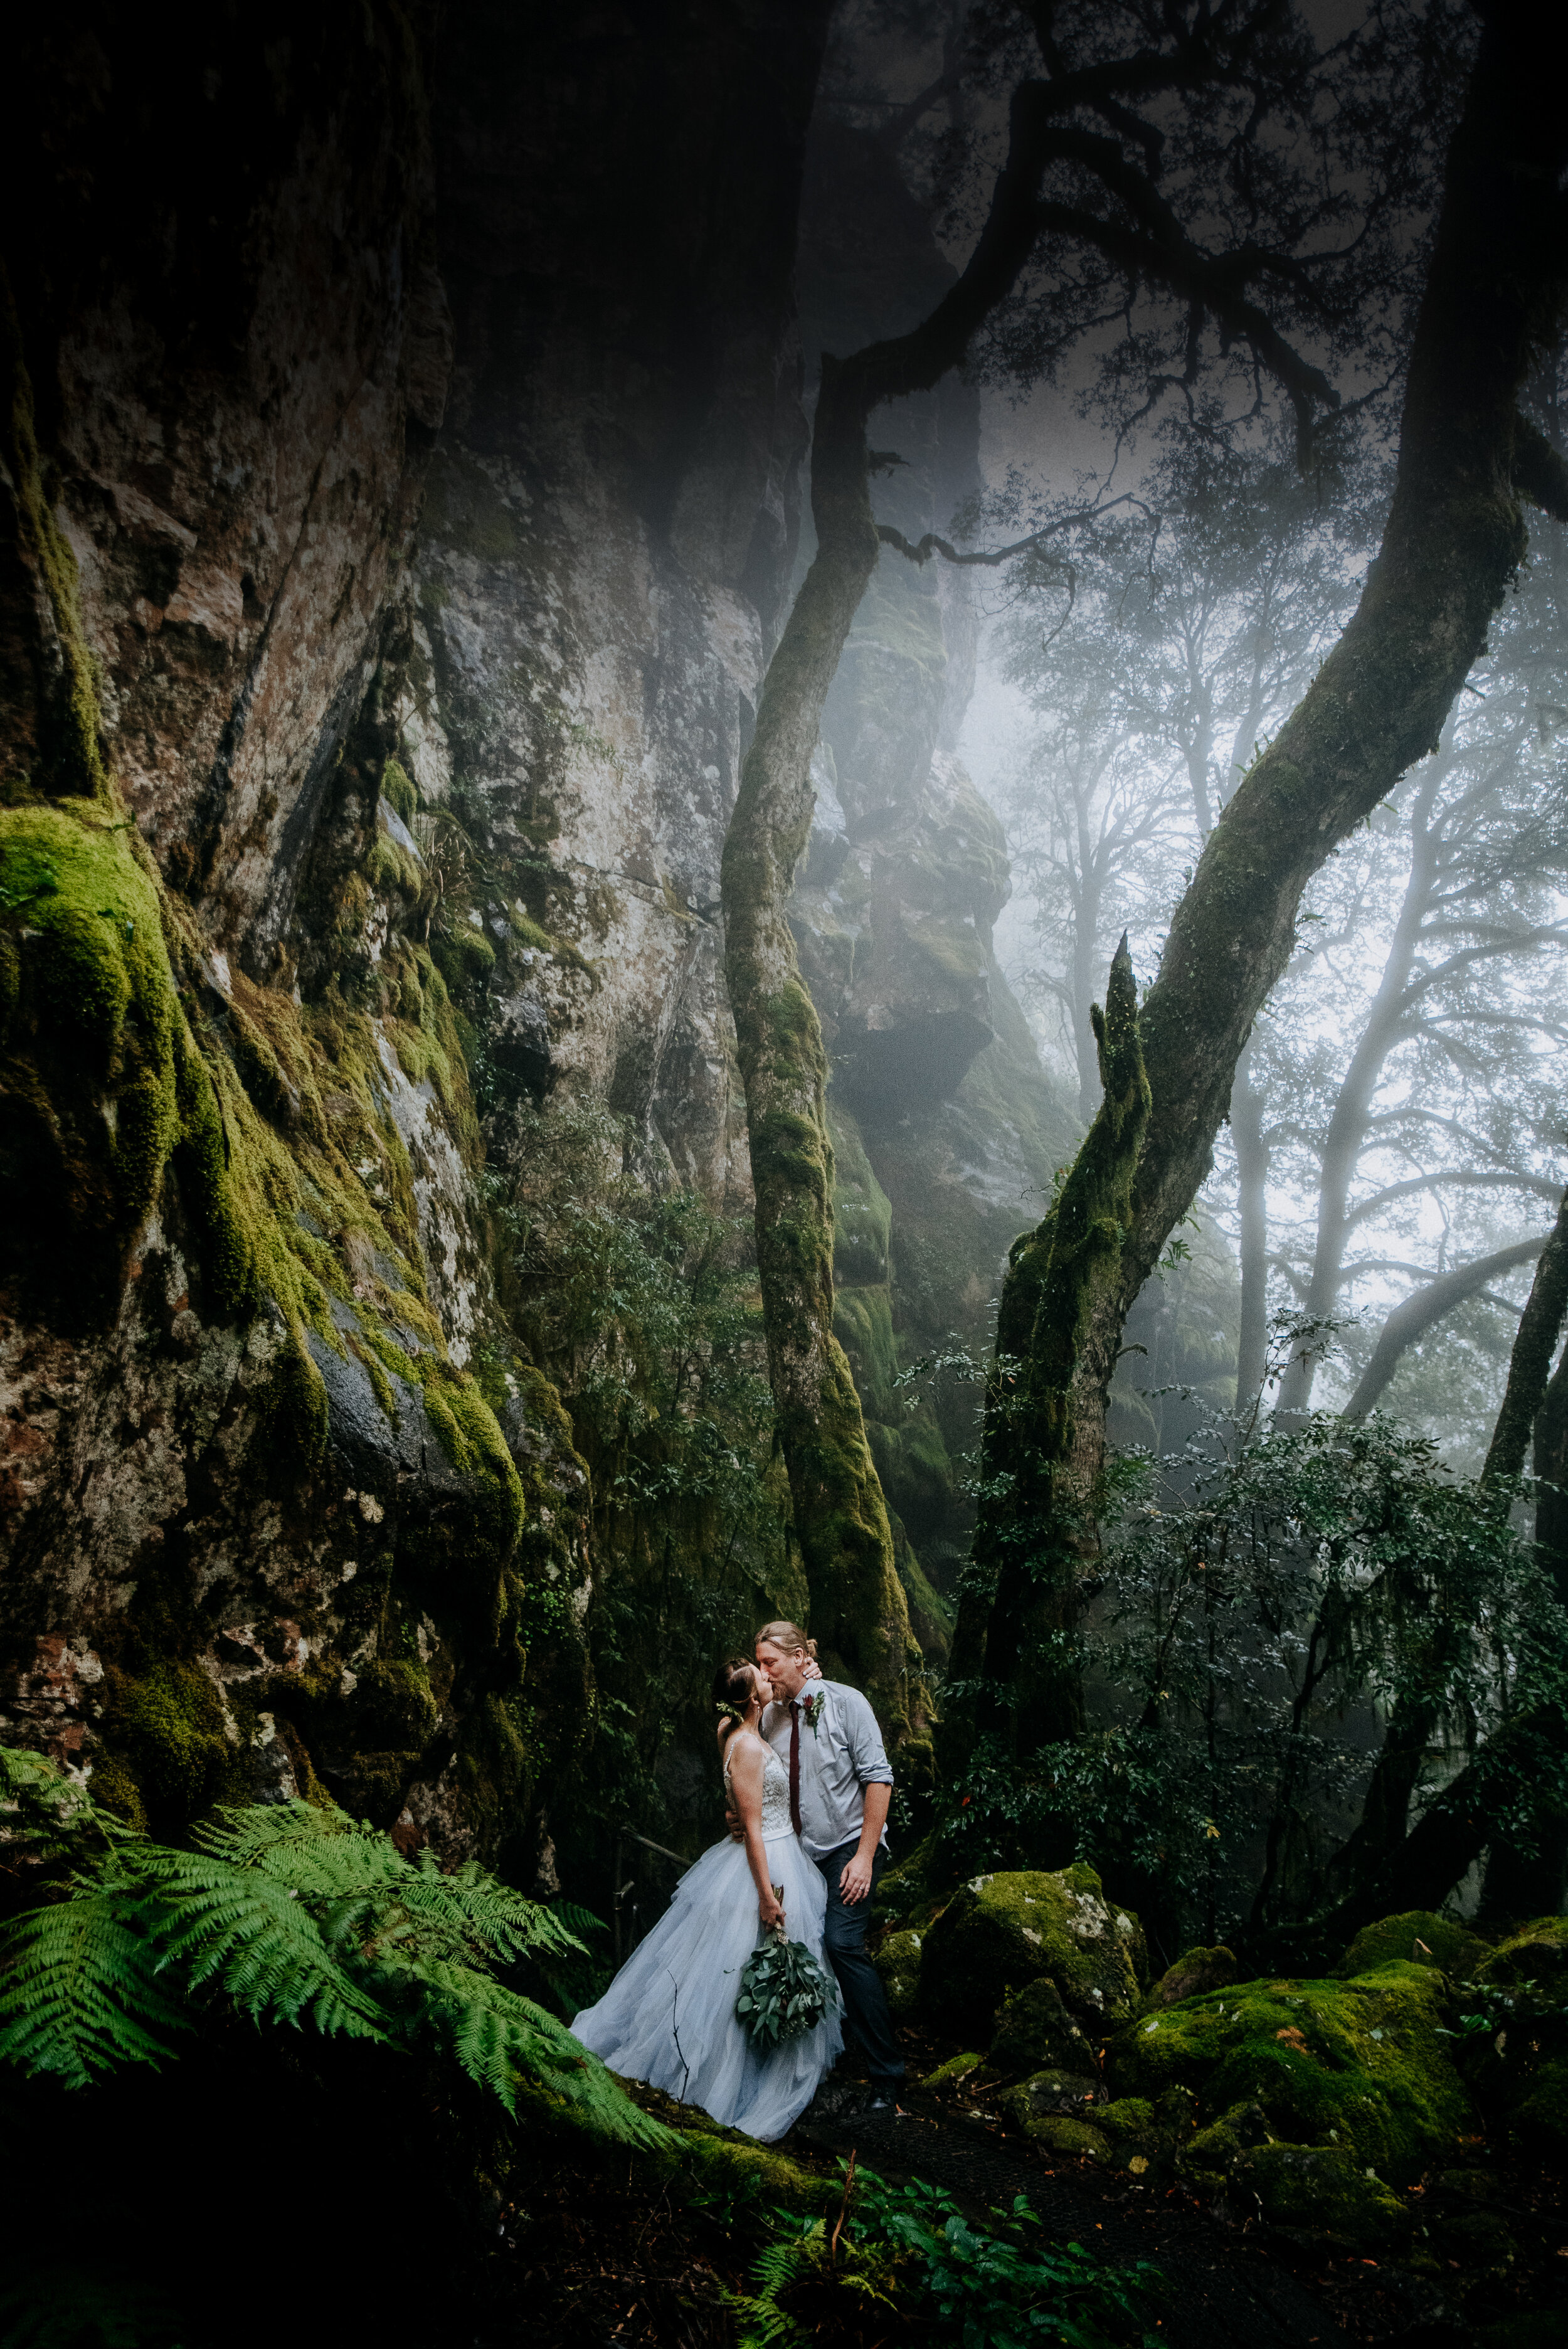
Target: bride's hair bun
(733, 1691)
(787, 1636)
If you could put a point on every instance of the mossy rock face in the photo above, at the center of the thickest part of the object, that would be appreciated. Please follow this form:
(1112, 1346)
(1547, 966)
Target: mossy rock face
(1001, 1933)
(898, 1964)
(1191, 1976)
(1324, 2190)
(1359, 2068)
(1419, 1936)
(1034, 2030)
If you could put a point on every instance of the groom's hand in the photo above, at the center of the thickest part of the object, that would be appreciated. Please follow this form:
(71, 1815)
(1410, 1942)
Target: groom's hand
(856, 1880)
(732, 1821)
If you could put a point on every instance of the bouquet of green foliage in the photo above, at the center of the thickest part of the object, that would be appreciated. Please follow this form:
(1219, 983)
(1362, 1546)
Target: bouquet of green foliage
(784, 1993)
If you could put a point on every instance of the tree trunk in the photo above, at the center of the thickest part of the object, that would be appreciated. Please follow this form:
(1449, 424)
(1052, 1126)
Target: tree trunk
(1520, 1883)
(858, 1607)
(1454, 538)
(1028, 1541)
(1530, 1363)
(1253, 1200)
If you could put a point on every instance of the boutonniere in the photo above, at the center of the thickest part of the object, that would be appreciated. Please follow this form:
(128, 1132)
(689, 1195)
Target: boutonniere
(812, 1711)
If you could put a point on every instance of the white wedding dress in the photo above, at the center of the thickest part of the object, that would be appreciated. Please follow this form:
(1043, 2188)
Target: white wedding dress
(669, 2017)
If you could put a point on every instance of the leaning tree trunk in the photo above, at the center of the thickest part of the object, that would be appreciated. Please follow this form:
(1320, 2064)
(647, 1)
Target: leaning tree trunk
(1029, 1537)
(1252, 1199)
(1455, 538)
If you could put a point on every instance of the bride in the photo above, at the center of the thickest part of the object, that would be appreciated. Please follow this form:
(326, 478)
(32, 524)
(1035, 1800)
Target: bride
(669, 2017)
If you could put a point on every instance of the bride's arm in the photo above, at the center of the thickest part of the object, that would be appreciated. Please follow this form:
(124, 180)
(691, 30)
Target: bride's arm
(746, 1792)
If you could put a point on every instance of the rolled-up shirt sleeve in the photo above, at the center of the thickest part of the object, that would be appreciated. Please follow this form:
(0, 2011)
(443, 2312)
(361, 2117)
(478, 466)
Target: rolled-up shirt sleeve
(865, 1741)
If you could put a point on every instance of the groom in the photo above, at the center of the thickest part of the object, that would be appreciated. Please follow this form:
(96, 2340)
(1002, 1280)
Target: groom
(826, 1736)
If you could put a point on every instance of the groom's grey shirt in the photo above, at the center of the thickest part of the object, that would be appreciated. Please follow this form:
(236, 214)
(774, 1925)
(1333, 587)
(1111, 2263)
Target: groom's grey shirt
(838, 1760)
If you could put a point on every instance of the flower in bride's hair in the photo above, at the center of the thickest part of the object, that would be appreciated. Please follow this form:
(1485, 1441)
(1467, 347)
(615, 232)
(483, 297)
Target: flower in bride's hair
(730, 1713)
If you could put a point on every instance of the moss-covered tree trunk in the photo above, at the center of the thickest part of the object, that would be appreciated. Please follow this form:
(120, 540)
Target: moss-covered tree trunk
(858, 1607)
(1494, 300)
(1036, 1512)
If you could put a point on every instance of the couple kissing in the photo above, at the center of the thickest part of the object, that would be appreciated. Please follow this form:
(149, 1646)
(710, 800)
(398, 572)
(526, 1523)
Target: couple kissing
(808, 1787)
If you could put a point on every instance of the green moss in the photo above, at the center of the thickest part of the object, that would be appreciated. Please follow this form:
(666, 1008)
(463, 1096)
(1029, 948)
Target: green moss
(999, 1932)
(863, 1212)
(390, 869)
(1537, 1953)
(394, 1706)
(898, 1964)
(1129, 2116)
(956, 2069)
(464, 956)
(398, 790)
(1071, 2140)
(1360, 2065)
(1322, 2189)
(66, 720)
(1193, 1973)
(165, 1729)
(1419, 1936)
(1034, 2032)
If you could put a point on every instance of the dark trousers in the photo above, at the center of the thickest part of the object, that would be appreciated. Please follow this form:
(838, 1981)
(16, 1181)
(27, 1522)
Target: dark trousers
(865, 2004)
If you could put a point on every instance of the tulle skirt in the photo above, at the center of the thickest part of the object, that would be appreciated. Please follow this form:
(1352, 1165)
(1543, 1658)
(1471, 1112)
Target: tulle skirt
(669, 2017)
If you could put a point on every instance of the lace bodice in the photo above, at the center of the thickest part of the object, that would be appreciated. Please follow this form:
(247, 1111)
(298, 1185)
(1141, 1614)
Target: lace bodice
(775, 1797)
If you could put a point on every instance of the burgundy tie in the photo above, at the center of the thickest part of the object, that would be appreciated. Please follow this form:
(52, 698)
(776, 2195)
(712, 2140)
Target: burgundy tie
(795, 1767)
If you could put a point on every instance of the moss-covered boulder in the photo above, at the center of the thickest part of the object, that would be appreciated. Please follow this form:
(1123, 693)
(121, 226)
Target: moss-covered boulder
(1034, 2030)
(1514, 2051)
(1192, 1974)
(1053, 2133)
(898, 1963)
(1537, 1953)
(1210, 2153)
(1359, 2068)
(1071, 2094)
(905, 1895)
(1324, 2190)
(1000, 1932)
(1418, 1936)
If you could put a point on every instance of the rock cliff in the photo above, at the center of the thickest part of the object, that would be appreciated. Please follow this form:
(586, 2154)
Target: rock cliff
(402, 497)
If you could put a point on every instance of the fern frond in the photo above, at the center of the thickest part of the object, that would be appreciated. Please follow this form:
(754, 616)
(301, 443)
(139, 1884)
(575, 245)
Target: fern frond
(763, 2323)
(471, 1906)
(256, 1938)
(78, 1989)
(42, 1808)
(494, 2034)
